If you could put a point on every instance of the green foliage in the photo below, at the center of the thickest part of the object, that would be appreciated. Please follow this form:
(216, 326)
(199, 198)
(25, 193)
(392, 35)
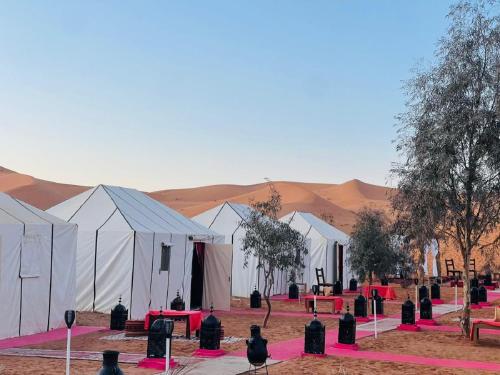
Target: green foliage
(371, 248)
(449, 139)
(273, 243)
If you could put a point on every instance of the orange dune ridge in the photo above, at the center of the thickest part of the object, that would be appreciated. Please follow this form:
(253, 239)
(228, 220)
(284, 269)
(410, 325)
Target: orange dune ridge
(336, 203)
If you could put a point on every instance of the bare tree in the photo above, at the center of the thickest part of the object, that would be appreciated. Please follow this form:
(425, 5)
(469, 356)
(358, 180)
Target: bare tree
(449, 136)
(273, 243)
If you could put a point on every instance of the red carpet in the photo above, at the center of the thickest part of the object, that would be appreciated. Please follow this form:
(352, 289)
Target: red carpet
(262, 312)
(54, 335)
(406, 358)
(293, 348)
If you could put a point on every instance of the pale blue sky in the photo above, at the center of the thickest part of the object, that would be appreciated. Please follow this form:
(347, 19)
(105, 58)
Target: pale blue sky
(165, 94)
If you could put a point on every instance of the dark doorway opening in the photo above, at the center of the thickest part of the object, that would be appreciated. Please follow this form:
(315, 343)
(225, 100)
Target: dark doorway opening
(341, 264)
(197, 275)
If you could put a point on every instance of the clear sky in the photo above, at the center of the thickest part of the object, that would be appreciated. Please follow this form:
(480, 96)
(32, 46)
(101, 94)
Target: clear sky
(165, 94)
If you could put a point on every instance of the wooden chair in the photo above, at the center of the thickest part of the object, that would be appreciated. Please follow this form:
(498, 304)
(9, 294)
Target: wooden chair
(450, 269)
(320, 278)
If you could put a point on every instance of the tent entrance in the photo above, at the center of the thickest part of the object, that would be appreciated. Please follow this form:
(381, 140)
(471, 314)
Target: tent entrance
(197, 267)
(217, 284)
(340, 262)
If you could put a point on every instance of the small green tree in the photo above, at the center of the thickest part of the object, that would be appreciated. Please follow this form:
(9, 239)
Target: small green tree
(372, 249)
(275, 245)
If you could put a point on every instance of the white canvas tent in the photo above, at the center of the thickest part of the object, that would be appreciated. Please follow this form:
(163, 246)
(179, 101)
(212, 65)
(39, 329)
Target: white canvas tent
(328, 248)
(37, 269)
(226, 219)
(121, 236)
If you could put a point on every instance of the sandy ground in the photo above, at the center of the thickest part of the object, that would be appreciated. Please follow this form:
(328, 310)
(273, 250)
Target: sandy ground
(45, 366)
(435, 344)
(427, 343)
(349, 366)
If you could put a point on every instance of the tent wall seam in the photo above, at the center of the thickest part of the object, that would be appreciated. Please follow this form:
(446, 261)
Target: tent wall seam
(149, 209)
(118, 208)
(51, 268)
(95, 254)
(83, 204)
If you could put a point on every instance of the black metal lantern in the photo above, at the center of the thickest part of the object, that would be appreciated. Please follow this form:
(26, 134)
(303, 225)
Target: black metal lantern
(337, 288)
(256, 347)
(178, 304)
(435, 291)
(353, 285)
(384, 281)
(119, 315)
(377, 303)
(423, 292)
(255, 300)
(360, 307)
(159, 331)
(474, 296)
(474, 283)
(488, 280)
(408, 312)
(347, 329)
(293, 291)
(110, 363)
(482, 294)
(314, 341)
(210, 332)
(426, 309)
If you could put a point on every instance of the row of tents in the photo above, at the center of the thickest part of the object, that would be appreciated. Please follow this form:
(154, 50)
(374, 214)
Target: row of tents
(111, 242)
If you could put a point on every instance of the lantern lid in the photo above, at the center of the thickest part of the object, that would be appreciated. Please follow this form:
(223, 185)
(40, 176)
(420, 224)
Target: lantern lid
(120, 307)
(211, 322)
(361, 298)
(425, 301)
(254, 330)
(315, 324)
(409, 303)
(255, 293)
(347, 317)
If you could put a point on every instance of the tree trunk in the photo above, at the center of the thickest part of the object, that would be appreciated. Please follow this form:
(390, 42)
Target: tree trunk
(438, 259)
(465, 321)
(370, 278)
(269, 281)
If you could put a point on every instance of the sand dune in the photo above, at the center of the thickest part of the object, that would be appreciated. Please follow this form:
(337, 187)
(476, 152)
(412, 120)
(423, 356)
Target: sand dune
(337, 203)
(40, 193)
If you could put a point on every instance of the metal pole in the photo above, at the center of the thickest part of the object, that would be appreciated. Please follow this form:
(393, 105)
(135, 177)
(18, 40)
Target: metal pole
(416, 297)
(375, 315)
(68, 351)
(167, 356)
(456, 295)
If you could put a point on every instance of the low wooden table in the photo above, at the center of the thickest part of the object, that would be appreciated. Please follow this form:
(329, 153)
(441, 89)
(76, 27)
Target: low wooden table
(482, 324)
(337, 302)
(192, 319)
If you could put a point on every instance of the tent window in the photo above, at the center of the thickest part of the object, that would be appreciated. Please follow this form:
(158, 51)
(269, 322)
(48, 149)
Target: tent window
(31, 247)
(165, 257)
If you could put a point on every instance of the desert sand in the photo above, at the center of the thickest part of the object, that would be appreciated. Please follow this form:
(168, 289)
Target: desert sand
(335, 203)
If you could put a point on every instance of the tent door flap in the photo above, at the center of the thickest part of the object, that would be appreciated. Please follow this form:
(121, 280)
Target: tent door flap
(217, 276)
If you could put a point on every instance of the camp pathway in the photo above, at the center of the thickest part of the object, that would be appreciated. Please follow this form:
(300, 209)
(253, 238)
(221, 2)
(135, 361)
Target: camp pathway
(53, 335)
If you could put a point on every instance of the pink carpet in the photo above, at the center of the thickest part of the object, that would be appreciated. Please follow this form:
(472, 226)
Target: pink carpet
(406, 358)
(289, 349)
(262, 312)
(54, 335)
